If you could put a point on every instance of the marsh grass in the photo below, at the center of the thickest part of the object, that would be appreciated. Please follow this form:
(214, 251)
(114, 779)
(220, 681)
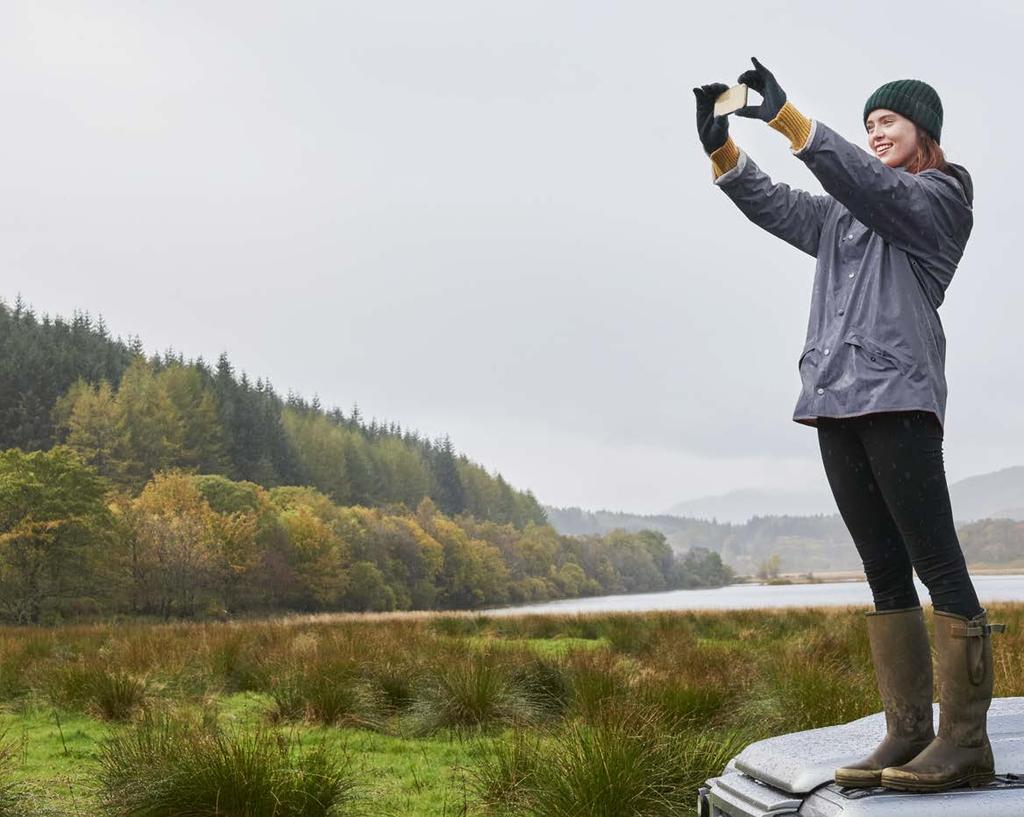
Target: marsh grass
(475, 691)
(544, 684)
(596, 679)
(625, 764)
(504, 780)
(459, 626)
(165, 766)
(329, 694)
(109, 694)
(416, 687)
(13, 800)
(396, 681)
(235, 662)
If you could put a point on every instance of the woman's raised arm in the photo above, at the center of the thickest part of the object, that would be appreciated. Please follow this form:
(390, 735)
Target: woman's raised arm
(795, 216)
(926, 214)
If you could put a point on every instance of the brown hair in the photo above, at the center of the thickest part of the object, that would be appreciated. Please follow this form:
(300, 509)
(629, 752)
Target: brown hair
(929, 154)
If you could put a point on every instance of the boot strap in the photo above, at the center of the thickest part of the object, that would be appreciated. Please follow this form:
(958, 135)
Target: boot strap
(964, 631)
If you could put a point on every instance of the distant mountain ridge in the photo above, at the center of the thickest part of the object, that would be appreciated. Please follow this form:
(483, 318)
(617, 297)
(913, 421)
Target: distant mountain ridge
(995, 495)
(745, 503)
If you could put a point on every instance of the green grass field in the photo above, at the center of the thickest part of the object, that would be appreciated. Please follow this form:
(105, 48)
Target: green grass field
(420, 715)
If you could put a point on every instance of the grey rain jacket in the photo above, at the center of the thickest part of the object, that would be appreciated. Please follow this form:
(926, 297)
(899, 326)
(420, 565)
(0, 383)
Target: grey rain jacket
(887, 243)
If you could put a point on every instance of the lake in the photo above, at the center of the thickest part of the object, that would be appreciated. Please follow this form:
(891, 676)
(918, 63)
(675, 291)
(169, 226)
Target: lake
(745, 596)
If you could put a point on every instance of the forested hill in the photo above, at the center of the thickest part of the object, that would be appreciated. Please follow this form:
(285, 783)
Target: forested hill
(131, 416)
(796, 544)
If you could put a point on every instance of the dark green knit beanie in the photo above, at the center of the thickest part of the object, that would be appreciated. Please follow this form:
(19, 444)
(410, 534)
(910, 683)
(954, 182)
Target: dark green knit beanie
(912, 98)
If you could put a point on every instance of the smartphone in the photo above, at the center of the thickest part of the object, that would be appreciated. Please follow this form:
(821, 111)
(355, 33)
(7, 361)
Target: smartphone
(731, 100)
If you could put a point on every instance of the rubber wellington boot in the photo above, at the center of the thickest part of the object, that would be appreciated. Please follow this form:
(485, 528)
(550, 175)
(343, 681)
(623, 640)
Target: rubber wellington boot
(961, 754)
(903, 673)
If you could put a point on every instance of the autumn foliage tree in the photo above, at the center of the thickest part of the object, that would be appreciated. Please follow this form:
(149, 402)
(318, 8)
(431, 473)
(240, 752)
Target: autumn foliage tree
(53, 522)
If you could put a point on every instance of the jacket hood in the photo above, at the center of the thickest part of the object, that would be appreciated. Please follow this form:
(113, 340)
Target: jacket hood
(961, 175)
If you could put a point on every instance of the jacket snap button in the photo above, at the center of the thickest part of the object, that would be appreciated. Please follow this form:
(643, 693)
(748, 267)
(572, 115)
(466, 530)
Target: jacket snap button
(872, 357)
(821, 391)
(827, 351)
(850, 235)
(850, 275)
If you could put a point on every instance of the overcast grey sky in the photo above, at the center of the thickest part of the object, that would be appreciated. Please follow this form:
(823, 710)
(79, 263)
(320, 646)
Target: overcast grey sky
(494, 220)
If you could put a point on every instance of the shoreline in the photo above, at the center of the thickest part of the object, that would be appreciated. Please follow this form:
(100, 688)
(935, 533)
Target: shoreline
(838, 576)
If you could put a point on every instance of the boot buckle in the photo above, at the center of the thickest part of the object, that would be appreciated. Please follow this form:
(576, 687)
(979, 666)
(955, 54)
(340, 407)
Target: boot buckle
(973, 630)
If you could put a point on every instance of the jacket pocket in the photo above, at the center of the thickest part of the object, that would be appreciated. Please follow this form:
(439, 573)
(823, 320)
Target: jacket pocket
(809, 353)
(877, 356)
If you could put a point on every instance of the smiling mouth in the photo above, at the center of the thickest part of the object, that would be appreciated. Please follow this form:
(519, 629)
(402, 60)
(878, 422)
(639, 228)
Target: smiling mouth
(883, 149)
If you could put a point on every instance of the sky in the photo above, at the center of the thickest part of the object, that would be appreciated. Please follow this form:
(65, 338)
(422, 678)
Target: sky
(494, 220)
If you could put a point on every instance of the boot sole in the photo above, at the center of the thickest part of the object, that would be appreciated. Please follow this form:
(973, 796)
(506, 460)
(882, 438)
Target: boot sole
(867, 782)
(969, 780)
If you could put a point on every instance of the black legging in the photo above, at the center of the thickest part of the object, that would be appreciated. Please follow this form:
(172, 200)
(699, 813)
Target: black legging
(887, 476)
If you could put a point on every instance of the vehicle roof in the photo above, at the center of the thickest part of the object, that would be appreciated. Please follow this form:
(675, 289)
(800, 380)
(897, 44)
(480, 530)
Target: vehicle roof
(802, 761)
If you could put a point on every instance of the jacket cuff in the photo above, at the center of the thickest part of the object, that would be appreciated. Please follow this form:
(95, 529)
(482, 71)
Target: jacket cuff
(725, 158)
(792, 124)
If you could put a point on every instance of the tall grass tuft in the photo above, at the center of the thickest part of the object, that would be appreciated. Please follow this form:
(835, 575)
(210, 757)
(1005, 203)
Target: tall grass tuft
(326, 693)
(474, 692)
(109, 694)
(595, 681)
(626, 764)
(163, 767)
(545, 685)
(235, 662)
(459, 626)
(396, 681)
(503, 781)
(623, 765)
(642, 635)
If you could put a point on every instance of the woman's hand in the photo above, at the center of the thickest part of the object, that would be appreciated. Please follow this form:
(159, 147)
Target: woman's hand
(713, 130)
(763, 81)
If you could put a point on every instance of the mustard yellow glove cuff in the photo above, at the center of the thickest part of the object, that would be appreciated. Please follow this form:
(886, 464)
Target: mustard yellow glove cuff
(792, 124)
(725, 157)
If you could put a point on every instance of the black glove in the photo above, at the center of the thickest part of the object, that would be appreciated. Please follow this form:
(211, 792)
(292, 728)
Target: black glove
(763, 81)
(713, 130)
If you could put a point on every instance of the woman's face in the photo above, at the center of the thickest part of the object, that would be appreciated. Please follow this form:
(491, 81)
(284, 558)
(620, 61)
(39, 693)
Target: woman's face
(891, 137)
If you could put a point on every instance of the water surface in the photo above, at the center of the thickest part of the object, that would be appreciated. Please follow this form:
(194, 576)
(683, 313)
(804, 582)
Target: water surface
(746, 596)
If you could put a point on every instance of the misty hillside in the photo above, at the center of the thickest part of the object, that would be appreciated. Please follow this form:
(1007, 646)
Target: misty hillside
(997, 495)
(803, 543)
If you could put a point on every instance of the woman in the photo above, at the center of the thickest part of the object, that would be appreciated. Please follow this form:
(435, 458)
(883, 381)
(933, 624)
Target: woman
(887, 238)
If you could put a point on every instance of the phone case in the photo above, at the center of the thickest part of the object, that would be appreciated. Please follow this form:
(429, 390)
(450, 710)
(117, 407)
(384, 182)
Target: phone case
(731, 100)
